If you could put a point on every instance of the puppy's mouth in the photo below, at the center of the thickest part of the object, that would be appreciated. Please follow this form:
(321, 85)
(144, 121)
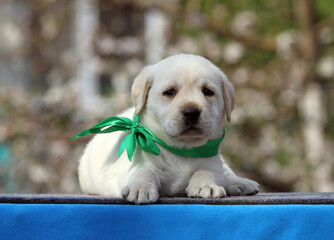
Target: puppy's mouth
(191, 133)
(191, 130)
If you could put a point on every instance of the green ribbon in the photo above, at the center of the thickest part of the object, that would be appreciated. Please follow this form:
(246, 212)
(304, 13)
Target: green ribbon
(146, 139)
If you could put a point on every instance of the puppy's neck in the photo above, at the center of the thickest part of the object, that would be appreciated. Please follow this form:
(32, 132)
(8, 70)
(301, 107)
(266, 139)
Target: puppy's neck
(153, 124)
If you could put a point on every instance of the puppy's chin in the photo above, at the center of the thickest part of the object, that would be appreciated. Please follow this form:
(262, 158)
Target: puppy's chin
(192, 131)
(192, 137)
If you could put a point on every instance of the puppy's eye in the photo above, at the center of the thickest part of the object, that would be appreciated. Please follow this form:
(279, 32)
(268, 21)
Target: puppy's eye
(170, 92)
(207, 92)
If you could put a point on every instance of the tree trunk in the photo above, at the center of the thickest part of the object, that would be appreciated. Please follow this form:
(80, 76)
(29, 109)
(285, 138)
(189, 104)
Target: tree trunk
(311, 105)
(86, 21)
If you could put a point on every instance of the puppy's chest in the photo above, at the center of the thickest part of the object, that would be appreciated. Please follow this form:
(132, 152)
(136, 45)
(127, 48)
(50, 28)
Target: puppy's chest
(175, 175)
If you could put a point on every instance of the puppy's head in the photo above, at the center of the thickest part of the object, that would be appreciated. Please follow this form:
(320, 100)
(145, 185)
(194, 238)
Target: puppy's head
(183, 100)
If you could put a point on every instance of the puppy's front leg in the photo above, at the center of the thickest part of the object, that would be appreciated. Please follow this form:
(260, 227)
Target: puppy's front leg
(237, 186)
(202, 184)
(141, 187)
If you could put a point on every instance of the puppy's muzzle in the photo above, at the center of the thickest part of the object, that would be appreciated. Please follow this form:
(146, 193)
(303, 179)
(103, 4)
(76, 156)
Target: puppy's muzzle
(191, 116)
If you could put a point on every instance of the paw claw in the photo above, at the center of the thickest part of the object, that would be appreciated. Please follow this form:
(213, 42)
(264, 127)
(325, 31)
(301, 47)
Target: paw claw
(241, 187)
(140, 193)
(206, 191)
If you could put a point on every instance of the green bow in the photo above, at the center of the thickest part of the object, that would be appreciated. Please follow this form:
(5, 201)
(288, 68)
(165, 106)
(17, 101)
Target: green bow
(146, 140)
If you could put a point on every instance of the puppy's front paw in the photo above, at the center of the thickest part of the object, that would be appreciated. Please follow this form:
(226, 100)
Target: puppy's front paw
(237, 186)
(140, 193)
(205, 191)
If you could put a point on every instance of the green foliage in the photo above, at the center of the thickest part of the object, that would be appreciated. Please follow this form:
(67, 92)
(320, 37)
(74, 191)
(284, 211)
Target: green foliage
(272, 16)
(324, 8)
(256, 58)
(330, 125)
(283, 157)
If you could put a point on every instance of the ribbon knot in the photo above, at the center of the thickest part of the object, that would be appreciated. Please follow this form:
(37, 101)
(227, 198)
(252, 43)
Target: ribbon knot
(138, 135)
(142, 136)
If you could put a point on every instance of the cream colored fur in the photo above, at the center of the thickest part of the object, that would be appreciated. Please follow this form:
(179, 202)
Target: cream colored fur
(148, 176)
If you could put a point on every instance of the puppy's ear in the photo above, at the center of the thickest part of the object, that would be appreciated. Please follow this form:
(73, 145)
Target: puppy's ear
(228, 94)
(140, 87)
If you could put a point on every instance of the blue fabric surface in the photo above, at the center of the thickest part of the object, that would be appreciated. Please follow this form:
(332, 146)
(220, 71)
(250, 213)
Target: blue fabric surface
(75, 221)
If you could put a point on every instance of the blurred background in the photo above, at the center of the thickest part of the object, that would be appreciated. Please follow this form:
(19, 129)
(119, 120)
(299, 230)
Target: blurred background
(65, 65)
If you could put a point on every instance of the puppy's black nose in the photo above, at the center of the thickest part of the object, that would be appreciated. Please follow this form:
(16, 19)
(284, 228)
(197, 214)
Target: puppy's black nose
(191, 115)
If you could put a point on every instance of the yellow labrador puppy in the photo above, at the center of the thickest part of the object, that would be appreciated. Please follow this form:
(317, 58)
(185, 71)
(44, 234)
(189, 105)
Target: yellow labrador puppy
(182, 100)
